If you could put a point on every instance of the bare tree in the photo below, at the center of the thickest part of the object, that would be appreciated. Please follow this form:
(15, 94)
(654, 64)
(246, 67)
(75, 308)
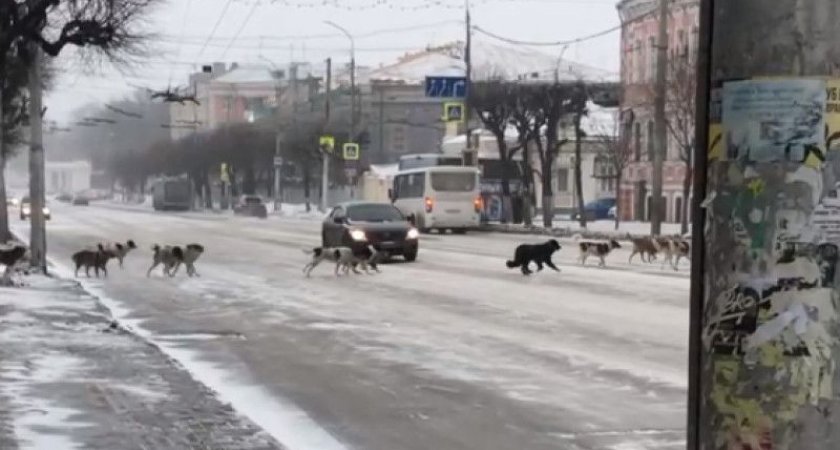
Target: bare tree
(13, 114)
(577, 106)
(612, 135)
(494, 103)
(549, 104)
(682, 85)
(48, 26)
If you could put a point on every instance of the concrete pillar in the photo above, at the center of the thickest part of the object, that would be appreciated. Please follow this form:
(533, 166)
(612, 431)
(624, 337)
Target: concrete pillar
(765, 343)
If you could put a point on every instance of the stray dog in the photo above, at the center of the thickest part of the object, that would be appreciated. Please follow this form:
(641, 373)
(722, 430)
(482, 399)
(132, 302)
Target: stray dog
(191, 254)
(342, 257)
(9, 257)
(674, 249)
(98, 259)
(367, 257)
(643, 246)
(168, 256)
(119, 251)
(539, 254)
(599, 249)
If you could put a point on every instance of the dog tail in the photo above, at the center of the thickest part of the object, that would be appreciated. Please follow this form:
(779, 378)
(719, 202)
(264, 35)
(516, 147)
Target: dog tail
(511, 264)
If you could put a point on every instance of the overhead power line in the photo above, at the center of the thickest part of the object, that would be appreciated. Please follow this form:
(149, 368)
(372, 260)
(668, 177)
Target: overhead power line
(215, 27)
(547, 44)
(241, 27)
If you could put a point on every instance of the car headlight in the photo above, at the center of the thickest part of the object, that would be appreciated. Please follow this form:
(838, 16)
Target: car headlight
(358, 235)
(413, 234)
(26, 210)
(46, 210)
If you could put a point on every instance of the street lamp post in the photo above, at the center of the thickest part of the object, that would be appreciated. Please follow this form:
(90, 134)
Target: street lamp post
(352, 137)
(278, 161)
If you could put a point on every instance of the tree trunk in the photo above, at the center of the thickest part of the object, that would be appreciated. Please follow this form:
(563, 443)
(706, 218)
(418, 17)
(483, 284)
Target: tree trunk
(38, 232)
(507, 202)
(579, 174)
(617, 199)
(686, 205)
(527, 187)
(307, 191)
(208, 191)
(548, 197)
(5, 234)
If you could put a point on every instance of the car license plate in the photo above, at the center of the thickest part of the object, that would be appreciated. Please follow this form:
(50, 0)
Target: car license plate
(453, 211)
(388, 244)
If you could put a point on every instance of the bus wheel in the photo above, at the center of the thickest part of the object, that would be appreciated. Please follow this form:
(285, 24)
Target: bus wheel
(459, 231)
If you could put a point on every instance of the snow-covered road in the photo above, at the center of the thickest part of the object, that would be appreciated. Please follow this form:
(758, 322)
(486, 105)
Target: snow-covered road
(451, 352)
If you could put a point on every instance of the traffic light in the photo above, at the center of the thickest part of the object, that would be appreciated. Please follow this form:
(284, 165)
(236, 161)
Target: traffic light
(326, 143)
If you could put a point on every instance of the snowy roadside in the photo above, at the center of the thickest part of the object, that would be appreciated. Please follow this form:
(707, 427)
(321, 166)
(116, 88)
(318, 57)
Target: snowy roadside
(71, 378)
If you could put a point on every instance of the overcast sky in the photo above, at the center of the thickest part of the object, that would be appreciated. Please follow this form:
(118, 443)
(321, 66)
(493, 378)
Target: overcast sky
(282, 30)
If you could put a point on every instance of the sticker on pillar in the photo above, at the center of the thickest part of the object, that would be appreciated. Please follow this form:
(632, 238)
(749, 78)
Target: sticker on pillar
(774, 120)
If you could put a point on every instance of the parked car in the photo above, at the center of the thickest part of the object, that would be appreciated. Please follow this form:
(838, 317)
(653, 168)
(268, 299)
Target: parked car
(26, 210)
(80, 200)
(251, 205)
(596, 210)
(12, 201)
(382, 225)
(64, 198)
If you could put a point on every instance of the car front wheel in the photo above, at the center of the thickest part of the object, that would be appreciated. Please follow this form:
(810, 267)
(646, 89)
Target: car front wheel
(410, 254)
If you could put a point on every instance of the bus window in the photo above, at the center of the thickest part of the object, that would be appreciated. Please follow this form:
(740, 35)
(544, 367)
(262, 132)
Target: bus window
(453, 182)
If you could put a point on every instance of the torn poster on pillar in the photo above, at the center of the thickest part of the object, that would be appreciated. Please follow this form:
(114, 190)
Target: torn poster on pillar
(774, 120)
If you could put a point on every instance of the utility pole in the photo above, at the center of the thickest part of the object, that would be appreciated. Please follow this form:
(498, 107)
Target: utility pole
(765, 324)
(325, 157)
(657, 213)
(470, 155)
(38, 231)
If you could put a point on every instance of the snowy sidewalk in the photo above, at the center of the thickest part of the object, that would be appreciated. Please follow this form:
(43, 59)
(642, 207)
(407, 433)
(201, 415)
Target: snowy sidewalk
(69, 379)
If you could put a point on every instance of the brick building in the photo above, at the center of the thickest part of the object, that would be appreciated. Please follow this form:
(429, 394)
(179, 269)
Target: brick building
(639, 33)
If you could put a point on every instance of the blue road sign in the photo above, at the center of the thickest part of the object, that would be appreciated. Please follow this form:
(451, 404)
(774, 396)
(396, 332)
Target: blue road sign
(447, 87)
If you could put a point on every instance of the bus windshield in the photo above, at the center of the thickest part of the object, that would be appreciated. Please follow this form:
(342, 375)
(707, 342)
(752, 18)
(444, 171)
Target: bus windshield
(453, 182)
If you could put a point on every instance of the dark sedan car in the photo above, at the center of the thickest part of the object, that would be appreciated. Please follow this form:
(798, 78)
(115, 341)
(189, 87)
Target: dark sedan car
(382, 225)
(251, 205)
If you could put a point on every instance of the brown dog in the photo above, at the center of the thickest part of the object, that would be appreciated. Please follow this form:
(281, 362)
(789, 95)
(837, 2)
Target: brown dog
(98, 259)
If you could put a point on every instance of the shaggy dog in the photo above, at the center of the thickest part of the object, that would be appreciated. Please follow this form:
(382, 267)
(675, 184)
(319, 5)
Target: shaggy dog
(598, 249)
(168, 256)
(191, 254)
(646, 247)
(118, 250)
(9, 256)
(98, 259)
(343, 258)
(540, 254)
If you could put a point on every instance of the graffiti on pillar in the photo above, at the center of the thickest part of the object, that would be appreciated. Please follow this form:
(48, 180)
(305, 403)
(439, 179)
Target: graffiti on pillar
(773, 231)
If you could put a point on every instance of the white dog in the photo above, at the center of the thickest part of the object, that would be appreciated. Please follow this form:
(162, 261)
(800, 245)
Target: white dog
(342, 257)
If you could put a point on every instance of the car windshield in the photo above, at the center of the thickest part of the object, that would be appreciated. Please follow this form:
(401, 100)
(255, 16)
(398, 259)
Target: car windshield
(453, 182)
(252, 201)
(374, 213)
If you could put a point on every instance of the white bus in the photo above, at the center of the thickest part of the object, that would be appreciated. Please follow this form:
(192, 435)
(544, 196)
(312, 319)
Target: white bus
(440, 197)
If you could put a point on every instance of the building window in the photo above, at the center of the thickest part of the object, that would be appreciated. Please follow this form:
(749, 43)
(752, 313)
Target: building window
(651, 144)
(639, 60)
(563, 180)
(651, 59)
(637, 142)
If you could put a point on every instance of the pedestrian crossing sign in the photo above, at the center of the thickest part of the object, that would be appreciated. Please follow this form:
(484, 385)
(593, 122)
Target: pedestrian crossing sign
(327, 144)
(351, 151)
(453, 112)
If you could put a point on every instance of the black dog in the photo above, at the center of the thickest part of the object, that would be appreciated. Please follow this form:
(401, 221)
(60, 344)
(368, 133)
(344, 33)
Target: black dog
(540, 254)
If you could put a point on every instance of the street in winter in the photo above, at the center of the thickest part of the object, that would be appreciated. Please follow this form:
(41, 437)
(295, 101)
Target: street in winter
(386, 225)
(452, 351)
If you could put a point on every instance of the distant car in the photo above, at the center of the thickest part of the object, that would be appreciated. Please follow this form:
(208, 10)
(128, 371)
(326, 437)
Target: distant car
(251, 205)
(382, 225)
(26, 210)
(80, 200)
(64, 198)
(597, 210)
(12, 201)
